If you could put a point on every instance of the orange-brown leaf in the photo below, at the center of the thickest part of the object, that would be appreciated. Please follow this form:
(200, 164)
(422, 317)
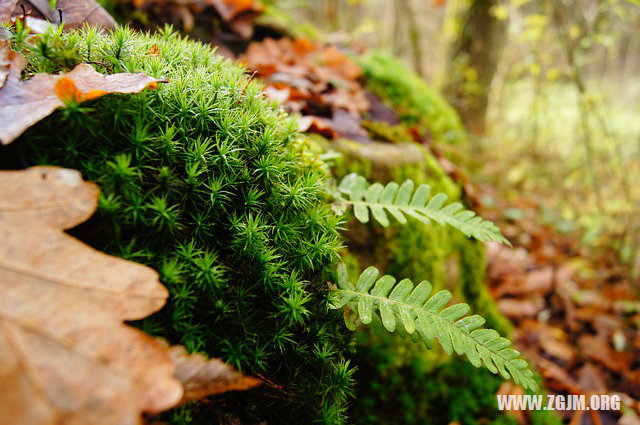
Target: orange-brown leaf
(76, 13)
(154, 50)
(318, 125)
(201, 377)
(230, 9)
(24, 103)
(65, 354)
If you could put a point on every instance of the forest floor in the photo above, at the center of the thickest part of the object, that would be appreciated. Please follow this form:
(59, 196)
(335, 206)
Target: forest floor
(574, 309)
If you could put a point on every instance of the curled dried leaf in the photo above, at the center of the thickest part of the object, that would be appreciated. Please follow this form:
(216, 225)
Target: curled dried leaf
(65, 354)
(5, 61)
(24, 103)
(202, 377)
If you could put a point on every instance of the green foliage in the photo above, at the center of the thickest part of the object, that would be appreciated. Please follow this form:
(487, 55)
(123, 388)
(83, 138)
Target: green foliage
(414, 100)
(209, 183)
(206, 181)
(399, 381)
(399, 200)
(424, 318)
(412, 250)
(421, 393)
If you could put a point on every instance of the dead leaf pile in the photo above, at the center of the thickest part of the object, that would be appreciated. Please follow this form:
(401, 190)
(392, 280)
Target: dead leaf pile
(318, 81)
(237, 17)
(575, 314)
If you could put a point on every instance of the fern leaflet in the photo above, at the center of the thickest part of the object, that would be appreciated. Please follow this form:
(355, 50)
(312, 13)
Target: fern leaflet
(423, 318)
(399, 200)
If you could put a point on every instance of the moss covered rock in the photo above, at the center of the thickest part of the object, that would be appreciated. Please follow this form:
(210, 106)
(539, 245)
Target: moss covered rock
(415, 101)
(393, 373)
(205, 181)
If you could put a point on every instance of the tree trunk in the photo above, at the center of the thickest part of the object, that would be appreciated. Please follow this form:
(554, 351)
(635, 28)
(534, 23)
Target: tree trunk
(473, 60)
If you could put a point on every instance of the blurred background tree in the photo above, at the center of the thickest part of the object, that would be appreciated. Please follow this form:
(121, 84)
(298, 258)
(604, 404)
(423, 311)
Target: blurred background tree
(548, 89)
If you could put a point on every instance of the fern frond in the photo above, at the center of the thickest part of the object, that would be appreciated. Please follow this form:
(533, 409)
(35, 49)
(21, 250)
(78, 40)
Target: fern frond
(399, 200)
(413, 311)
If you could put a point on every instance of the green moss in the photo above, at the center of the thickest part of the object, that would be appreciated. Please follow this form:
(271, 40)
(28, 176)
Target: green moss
(385, 132)
(415, 392)
(413, 99)
(205, 181)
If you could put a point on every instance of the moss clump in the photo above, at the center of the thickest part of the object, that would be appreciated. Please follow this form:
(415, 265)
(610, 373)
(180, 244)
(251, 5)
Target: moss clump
(413, 99)
(204, 180)
(417, 391)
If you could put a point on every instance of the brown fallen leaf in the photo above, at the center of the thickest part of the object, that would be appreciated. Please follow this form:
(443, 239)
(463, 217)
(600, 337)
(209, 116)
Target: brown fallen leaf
(65, 354)
(276, 94)
(349, 125)
(554, 342)
(76, 13)
(244, 25)
(36, 25)
(556, 378)
(239, 15)
(323, 80)
(527, 307)
(508, 388)
(154, 51)
(42, 7)
(591, 379)
(24, 103)
(201, 377)
(576, 418)
(6, 9)
(539, 281)
(600, 351)
(5, 61)
(318, 125)
(231, 9)
(38, 10)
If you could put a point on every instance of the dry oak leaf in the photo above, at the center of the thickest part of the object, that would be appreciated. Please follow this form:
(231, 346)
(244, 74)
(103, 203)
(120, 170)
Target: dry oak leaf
(66, 357)
(24, 103)
(6, 55)
(201, 377)
(76, 13)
